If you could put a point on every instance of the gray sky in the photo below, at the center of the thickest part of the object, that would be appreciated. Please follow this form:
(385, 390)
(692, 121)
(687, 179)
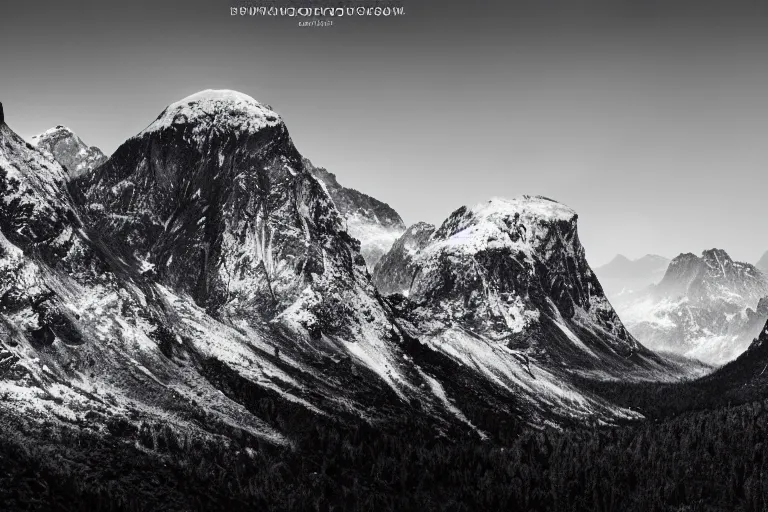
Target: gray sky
(647, 117)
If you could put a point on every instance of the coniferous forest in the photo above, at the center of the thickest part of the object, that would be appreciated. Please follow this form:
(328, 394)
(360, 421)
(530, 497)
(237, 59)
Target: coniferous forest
(709, 459)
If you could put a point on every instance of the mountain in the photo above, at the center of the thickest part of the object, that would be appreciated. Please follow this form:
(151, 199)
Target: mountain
(507, 281)
(707, 307)
(87, 338)
(74, 155)
(375, 224)
(623, 276)
(762, 265)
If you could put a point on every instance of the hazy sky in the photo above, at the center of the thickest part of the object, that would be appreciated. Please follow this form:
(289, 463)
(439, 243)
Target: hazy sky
(649, 118)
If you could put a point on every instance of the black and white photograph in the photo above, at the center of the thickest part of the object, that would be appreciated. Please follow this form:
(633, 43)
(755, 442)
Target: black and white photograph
(384, 255)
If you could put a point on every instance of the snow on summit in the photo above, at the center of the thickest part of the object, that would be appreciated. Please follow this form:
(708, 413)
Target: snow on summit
(232, 109)
(36, 139)
(526, 206)
(490, 223)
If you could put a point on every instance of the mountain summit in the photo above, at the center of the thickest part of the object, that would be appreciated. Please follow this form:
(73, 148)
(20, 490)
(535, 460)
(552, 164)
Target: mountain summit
(69, 150)
(224, 110)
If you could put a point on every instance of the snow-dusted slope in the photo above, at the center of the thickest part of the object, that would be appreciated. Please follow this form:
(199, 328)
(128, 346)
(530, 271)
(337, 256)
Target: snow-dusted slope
(707, 307)
(75, 156)
(375, 224)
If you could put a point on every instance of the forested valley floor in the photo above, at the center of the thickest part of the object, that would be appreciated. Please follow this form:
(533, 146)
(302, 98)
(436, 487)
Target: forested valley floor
(712, 458)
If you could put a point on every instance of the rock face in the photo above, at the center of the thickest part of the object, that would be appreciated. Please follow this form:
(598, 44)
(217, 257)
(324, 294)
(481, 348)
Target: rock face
(2, 114)
(74, 155)
(394, 272)
(709, 307)
(375, 224)
(623, 276)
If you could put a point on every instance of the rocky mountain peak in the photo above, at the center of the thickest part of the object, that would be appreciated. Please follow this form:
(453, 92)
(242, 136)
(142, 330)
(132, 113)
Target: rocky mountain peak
(714, 269)
(65, 147)
(2, 115)
(717, 258)
(708, 307)
(224, 110)
(528, 213)
(509, 269)
(214, 197)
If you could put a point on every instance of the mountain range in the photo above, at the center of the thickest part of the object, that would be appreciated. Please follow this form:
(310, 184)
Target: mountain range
(207, 256)
(207, 289)
(708, 307)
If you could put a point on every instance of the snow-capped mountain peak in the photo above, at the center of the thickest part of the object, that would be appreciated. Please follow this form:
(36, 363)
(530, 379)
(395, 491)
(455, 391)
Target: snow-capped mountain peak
(65, 147)
(506, 269)
(538, 208)
(59, 129)
(223, 108)
(521, 224)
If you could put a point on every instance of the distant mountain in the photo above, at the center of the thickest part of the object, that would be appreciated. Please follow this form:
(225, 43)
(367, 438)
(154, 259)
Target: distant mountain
(708, 307)
(69, 150)
(762, 265)
(374, 223)
(623, 267)
(623, 276)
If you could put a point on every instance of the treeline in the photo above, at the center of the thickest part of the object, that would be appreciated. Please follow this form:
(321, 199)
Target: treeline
(706, 460)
